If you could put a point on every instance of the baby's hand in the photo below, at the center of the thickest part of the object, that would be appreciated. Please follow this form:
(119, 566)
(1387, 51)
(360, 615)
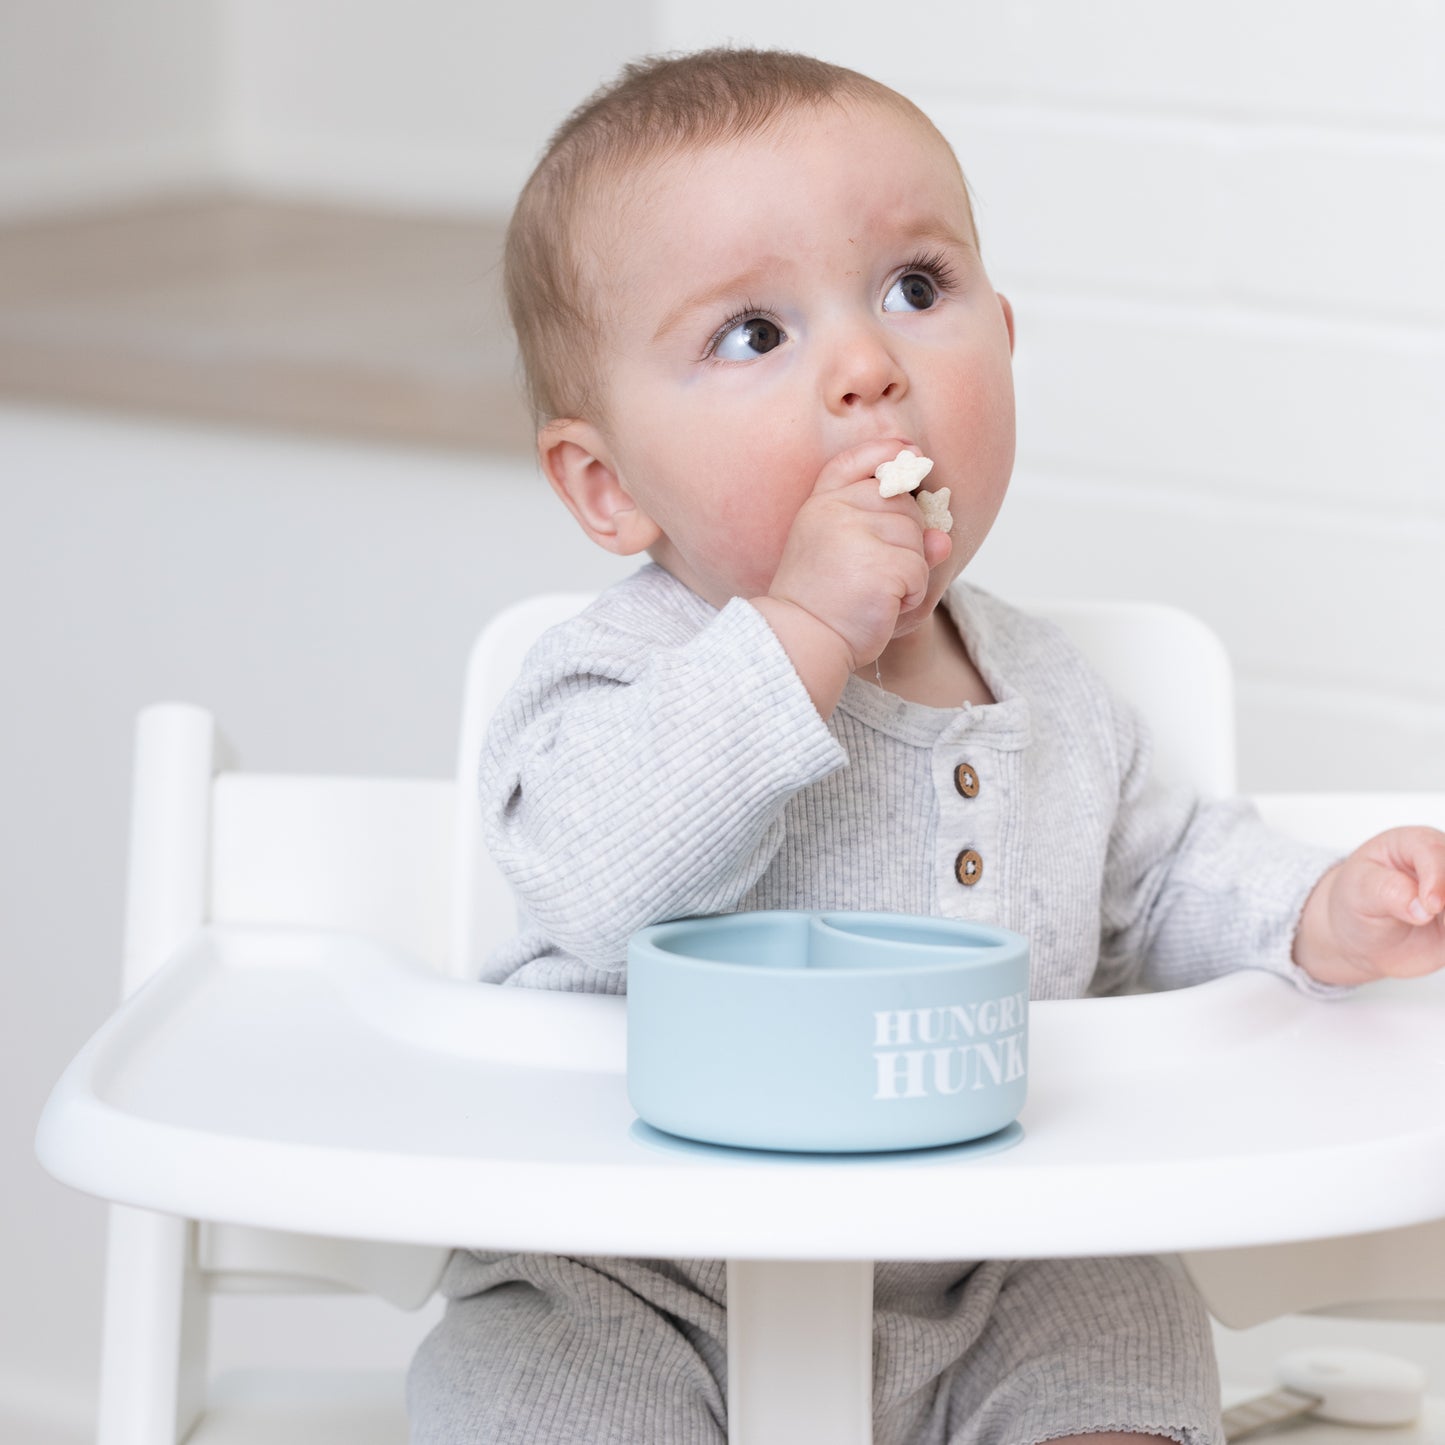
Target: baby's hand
(854, 559)
(1380, 913)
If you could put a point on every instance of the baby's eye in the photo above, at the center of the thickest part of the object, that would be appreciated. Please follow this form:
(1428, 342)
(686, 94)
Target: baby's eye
(913, 292)
(755, 336)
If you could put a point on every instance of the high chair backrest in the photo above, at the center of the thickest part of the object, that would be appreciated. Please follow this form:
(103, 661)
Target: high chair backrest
(1164, 661)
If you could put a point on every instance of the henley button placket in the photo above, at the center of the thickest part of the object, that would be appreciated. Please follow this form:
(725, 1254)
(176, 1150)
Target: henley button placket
(973, 776)
(968, 866)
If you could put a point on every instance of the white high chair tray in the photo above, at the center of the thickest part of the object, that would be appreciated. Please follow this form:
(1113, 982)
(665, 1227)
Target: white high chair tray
(316, 1081)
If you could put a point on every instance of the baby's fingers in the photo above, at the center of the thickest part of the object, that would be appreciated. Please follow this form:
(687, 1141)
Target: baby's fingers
(917, 580)
(856, 464)
(1412, 882)
(937, 546)
(1428, 865)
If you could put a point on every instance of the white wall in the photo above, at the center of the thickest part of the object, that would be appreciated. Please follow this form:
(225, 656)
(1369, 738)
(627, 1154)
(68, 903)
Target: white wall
(441, 103)
(437, 104)
(102, 100)
(1219, 226)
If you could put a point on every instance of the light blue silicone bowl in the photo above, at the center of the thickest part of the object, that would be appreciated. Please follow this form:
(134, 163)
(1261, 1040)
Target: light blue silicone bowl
(827, 1032)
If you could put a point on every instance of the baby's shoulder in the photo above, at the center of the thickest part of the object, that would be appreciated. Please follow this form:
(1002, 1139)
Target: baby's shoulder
(648, 610)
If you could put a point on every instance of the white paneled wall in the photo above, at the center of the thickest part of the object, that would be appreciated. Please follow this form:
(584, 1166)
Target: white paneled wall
(435, 103)
(100, 101)
(1220, 228)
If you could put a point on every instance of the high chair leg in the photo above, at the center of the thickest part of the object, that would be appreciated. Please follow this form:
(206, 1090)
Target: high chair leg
(800, 1353)
(153, 1363)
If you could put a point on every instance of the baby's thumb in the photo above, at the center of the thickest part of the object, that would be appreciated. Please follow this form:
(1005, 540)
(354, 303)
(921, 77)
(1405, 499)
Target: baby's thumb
(1390, 892)
(1409, 873)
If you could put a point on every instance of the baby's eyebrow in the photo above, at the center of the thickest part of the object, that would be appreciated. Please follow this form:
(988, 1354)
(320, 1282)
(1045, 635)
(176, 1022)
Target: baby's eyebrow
(931, 232)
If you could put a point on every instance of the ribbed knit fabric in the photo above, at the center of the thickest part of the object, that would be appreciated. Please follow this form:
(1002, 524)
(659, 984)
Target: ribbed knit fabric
(660, 758)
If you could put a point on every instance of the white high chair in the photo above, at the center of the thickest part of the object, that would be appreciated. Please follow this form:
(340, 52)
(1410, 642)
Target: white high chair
(302, 1064)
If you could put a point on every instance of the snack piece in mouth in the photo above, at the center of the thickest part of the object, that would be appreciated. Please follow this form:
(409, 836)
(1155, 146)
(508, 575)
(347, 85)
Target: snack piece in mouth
(902, 474)
(934, 506)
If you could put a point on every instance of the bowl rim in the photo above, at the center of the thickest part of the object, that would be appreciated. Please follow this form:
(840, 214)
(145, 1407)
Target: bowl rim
(1002, 948)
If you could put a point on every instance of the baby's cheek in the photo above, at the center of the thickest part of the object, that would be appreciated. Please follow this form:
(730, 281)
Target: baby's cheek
(771, 480)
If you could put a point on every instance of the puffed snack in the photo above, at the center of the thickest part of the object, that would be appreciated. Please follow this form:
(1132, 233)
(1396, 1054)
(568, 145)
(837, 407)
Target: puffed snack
(904, 474)
(934, 506)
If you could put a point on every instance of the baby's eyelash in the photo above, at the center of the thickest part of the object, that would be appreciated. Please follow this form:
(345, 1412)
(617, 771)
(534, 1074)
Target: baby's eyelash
(936, 265)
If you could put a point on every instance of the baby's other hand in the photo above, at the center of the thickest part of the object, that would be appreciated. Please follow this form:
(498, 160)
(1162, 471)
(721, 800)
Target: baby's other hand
(854, 559)
(1380, 913)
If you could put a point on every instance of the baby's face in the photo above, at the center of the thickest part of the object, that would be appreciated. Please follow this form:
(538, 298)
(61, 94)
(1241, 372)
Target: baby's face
(777, 300)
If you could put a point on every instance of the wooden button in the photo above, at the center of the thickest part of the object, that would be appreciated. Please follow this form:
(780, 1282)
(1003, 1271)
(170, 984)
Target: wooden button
(968, 867)
(966, 780)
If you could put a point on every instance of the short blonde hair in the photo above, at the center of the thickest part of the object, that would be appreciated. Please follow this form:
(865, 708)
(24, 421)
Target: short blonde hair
(658, 106)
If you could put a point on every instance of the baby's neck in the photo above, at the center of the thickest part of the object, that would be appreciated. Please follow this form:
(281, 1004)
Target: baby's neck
(930, 665)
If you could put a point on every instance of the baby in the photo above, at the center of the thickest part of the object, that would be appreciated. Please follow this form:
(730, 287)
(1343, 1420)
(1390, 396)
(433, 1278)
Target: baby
(743, 283)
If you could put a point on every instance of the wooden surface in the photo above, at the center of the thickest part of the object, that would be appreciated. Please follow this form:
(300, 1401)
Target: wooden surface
(229, 309)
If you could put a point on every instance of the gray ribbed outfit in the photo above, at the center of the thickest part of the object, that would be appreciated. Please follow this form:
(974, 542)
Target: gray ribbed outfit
(658, 759)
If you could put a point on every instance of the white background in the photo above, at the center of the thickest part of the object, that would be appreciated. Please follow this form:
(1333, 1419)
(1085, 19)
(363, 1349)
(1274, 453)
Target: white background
(1220, 225)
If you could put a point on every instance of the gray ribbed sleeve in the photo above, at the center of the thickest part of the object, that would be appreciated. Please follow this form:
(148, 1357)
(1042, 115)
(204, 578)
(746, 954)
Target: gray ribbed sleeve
(623, 785)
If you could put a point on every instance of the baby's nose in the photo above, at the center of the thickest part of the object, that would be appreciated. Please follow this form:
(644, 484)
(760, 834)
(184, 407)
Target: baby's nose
(866, 373)
(886, 391)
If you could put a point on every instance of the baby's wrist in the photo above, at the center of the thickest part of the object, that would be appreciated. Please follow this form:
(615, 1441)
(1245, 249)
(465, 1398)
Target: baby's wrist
(1316, 944)
(819, 655)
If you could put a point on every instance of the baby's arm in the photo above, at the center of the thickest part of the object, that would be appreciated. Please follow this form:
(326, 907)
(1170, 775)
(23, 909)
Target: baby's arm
(629, 778)
(1195, 888)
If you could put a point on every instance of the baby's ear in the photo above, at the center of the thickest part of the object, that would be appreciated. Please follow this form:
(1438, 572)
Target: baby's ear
(577, 461)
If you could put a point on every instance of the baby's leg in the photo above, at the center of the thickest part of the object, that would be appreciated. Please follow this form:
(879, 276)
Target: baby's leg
(541, 1350)
(1108, 1351)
